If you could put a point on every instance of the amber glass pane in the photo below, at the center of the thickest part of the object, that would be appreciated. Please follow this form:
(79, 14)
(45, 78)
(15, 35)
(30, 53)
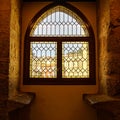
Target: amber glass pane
(43, 60)
(75, 60)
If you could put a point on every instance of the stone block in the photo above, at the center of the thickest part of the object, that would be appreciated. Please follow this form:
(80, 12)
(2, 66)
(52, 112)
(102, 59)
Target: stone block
(3, 110)
(4, 68)
(115, 12)
(5, 21)
(4, 5)
(113, 86)
(4, 88)
(114, 40)
(112, 65)
(4, 48)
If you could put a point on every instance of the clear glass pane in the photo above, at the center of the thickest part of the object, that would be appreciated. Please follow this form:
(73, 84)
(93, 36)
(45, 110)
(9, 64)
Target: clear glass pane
(59, 21)
(43, 60)
(75, 60)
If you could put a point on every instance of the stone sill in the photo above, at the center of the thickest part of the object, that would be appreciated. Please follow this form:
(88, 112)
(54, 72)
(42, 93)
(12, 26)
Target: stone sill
(20, 101)
(104, 102)
(99, 98)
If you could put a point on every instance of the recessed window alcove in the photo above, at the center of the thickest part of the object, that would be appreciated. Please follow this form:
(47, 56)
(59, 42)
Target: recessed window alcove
(59, 47)
(107, 100)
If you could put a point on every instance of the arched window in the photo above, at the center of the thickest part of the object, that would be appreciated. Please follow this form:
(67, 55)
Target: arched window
(59, 47)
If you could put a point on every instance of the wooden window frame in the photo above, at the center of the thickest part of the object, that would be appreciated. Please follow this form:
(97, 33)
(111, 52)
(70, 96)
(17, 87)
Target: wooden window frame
(59, 80)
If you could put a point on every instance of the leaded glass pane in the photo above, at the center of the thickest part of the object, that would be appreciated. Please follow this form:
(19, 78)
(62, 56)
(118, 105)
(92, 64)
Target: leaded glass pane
(43, 60)
(75, 60)
(59, 21)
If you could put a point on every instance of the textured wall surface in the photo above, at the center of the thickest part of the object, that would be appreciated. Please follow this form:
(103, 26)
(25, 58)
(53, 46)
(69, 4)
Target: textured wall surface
(9, 55)
(14, 47)
(107, 101)
(109, 39)
(103, 31)
(4, 55)
(113, 49)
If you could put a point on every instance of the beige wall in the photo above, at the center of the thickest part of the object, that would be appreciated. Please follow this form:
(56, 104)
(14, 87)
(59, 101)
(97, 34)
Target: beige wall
(59, 102)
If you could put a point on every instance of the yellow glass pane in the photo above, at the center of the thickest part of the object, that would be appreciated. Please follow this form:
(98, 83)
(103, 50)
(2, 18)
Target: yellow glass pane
(43, 60)
(75, 60)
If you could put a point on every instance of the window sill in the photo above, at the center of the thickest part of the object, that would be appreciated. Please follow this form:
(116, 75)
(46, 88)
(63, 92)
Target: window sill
(20, 101)
(107, 107)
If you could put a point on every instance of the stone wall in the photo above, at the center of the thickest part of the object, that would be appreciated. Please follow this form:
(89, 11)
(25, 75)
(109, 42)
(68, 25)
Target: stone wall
(9, 52)
(4, 55)
(14, 47)
(107, 101)
(103, 31)
(113, 49)
(109, 39)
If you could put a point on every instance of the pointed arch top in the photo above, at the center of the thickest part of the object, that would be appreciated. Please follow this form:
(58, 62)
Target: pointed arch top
(60, 21)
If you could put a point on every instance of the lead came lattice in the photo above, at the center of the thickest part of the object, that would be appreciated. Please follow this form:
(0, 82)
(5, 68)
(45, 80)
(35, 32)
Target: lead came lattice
(59, 22)
(43, 60)
(75, 60)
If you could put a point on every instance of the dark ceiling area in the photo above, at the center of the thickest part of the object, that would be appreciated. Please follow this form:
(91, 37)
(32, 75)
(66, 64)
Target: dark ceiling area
(59, 0)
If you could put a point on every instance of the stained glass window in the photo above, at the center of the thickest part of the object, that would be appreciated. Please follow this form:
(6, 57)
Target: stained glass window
(59, 48)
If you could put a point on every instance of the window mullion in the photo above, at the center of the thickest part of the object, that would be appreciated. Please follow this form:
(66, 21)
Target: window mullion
(59, 60)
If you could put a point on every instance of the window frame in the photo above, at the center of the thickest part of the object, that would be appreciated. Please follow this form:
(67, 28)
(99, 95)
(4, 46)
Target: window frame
(59, 80)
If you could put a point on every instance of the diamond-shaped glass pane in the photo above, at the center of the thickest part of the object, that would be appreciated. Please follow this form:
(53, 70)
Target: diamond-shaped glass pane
(43, 60)
(75, 60)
